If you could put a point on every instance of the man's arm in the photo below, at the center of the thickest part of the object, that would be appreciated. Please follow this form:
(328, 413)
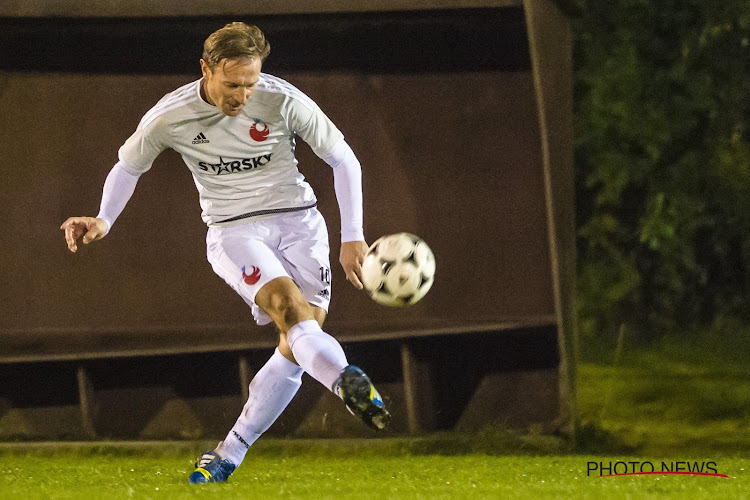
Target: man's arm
(347, 181)
(118, 188)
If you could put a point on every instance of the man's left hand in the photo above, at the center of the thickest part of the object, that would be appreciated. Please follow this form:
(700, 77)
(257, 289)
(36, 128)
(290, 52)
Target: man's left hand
(351, 257)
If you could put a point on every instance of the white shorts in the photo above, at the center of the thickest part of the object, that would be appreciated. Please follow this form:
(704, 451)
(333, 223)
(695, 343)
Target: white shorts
(294, 245)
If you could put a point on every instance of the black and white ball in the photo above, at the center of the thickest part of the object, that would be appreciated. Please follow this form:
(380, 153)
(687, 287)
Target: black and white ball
(398, 270)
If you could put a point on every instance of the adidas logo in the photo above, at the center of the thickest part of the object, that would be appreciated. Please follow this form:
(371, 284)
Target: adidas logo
(200, 139)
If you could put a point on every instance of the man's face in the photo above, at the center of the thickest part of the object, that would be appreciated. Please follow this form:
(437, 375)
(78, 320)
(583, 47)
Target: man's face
(230, 84)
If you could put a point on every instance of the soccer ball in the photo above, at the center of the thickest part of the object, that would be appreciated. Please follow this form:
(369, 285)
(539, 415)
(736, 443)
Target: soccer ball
(398, 270)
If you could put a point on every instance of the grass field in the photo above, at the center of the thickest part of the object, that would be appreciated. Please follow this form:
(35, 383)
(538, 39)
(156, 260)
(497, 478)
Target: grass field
(675, 402)
(95, 473)
(681, 397)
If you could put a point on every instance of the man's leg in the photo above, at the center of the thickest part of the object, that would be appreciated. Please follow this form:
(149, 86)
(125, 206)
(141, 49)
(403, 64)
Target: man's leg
(274, 386)
(318, 353)
(271, 391)
(276, 383)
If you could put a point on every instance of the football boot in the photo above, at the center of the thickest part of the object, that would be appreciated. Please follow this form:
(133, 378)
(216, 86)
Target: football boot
(211, 468)
(361, 397)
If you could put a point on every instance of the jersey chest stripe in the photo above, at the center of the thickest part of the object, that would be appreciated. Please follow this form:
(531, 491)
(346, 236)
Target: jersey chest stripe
(302, 98)
(279, 86)
(169, 103)
(182, 91)
(162, 108)
(180, 94)
(286, 88)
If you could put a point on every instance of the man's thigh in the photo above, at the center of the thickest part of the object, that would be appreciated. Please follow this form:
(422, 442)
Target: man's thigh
(294, 245)
(245, 261)
(304, 253)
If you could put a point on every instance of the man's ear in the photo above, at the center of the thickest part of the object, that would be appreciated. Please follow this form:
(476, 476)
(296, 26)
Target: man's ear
(204, 68)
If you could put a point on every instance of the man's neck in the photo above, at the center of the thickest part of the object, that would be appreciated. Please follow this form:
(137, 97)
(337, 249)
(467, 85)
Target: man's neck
(204, 94)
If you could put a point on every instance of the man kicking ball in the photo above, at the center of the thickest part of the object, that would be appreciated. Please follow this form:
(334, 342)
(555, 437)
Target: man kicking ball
(235, 129)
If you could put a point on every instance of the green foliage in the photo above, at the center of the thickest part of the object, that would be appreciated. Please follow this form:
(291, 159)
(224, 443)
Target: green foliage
(663, 162)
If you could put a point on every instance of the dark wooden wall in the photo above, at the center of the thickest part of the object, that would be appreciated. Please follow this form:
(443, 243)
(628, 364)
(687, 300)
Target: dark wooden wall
(464, 139)
(450, 155)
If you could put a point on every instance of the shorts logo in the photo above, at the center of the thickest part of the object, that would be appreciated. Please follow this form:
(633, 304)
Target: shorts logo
(251, 278)
(259, 131)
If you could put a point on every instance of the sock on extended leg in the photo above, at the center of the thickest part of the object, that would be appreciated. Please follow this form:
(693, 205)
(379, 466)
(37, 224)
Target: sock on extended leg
(271, 390)
(317, 353)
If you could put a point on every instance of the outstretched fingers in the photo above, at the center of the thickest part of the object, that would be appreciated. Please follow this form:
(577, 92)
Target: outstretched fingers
(90, 228)
(73, 228)
(354, 275)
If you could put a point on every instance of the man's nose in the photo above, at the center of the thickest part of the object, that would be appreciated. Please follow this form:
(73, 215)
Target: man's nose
(243, 95)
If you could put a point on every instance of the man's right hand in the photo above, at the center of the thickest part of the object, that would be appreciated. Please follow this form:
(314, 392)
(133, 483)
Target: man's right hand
(90, 228)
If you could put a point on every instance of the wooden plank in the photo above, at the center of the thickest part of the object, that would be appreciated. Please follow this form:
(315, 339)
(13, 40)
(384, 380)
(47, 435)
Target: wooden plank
(86, 401)
(417, 391)
(407, 363)
(138, 8)
(551, 61)
(71, 344)
(246, 376)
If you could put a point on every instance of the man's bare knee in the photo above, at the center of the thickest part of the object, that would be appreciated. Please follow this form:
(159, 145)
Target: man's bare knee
(284, 303)
(291, 310)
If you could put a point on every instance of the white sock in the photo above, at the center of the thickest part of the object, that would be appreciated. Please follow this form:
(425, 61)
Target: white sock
(271, 390)
(317, 352)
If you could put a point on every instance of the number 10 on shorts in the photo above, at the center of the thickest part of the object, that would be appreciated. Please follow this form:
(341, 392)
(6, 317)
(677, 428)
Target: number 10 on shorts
(325, 275)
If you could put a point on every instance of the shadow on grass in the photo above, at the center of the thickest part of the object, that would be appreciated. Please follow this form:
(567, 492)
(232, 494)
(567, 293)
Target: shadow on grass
(492, 441)
(592, 439)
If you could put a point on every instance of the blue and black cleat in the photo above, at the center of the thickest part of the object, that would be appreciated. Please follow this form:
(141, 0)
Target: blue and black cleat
(361, 397)
(211, 468)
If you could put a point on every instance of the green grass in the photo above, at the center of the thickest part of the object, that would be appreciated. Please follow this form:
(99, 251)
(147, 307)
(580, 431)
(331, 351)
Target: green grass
(686, 401)
(95, 474)
(683, 396)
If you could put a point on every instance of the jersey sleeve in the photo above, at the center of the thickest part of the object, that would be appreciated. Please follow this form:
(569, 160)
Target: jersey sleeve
(308, 121)
(142, 148)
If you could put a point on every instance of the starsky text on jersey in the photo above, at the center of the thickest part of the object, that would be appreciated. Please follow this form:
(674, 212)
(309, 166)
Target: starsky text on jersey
(231, 166)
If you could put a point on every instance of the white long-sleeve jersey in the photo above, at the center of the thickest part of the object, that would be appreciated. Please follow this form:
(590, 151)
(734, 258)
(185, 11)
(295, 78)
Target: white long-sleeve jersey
(243, 166)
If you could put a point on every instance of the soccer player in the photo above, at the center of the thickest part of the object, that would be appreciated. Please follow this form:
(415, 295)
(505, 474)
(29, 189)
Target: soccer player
(235, 129)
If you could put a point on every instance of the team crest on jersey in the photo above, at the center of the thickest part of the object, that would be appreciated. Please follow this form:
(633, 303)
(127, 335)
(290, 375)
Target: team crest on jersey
(251, 278)
(259, 131)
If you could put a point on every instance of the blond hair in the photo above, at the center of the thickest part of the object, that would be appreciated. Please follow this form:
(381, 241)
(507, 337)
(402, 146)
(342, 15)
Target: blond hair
(235, 41)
